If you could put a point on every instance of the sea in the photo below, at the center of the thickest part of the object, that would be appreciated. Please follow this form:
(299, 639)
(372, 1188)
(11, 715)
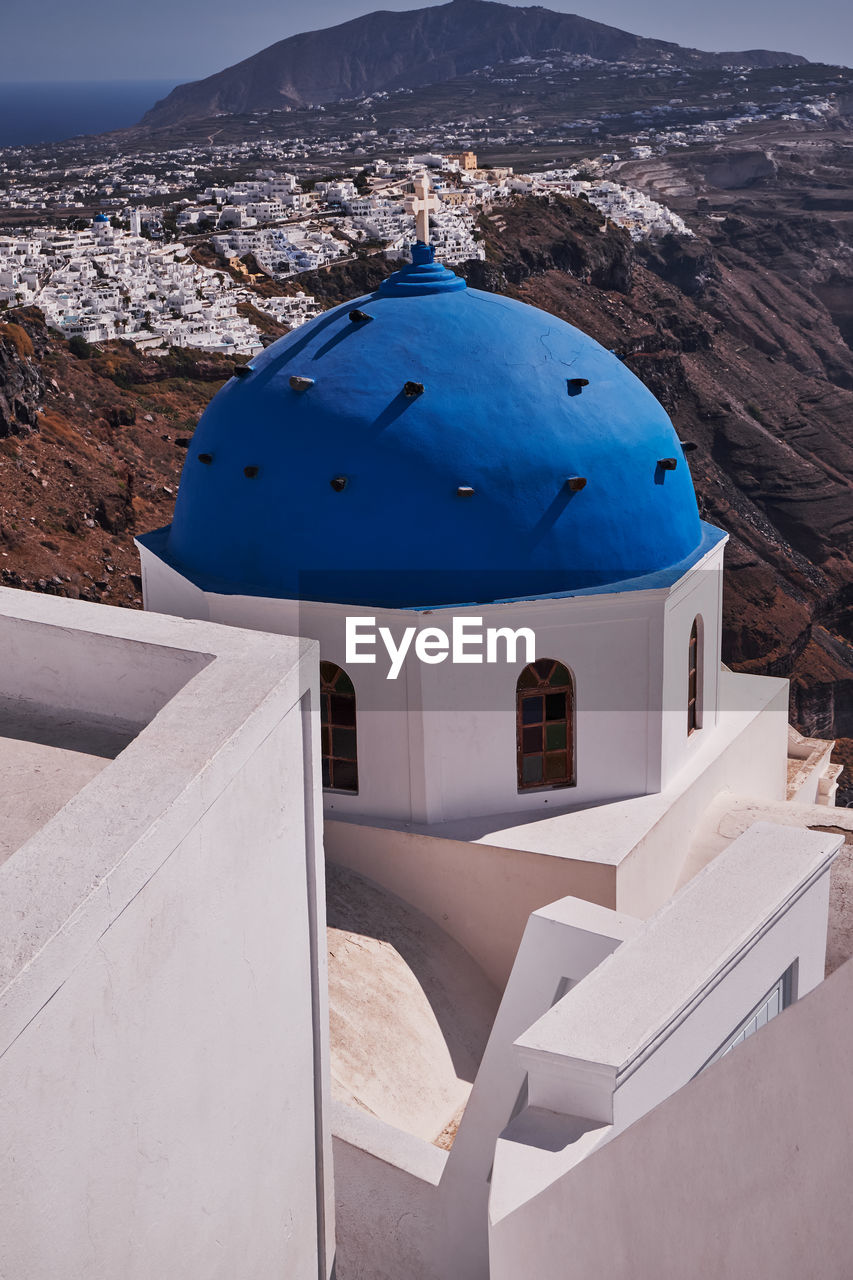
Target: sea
(52, 111)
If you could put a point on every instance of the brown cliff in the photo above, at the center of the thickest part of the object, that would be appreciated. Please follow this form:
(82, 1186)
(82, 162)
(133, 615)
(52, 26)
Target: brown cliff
(91, 449)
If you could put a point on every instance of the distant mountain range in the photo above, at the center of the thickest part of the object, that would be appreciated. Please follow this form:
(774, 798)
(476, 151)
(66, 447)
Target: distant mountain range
(384, 51)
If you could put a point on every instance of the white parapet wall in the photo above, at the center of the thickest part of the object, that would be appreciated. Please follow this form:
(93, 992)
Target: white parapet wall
(742, 1173)
(645, 1023)
(389, 1208)
(603, 1018)
(406, 1208)
(163, 1014)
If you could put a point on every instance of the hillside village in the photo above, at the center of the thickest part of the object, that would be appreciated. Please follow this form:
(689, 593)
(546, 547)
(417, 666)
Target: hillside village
(183, 245)
(129, 276)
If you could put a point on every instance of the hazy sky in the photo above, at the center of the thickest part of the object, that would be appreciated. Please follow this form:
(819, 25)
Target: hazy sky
(188, 39)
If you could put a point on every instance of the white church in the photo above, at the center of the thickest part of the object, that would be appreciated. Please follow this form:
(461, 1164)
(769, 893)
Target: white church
(554, 1001)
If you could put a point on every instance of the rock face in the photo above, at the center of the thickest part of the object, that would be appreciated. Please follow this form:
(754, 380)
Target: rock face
(383, 51)
(90, 449)
(22, 343)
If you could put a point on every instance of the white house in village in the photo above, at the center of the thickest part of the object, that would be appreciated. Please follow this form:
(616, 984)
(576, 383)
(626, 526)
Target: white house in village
(102, 283)
(569, 870)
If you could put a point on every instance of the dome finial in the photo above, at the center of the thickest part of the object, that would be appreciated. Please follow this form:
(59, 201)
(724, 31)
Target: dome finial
(423, 274)
(422, 204)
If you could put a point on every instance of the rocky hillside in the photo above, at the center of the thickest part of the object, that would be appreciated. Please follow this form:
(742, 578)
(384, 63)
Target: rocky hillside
(91, 449)
(22, 347)
(729, 332)
(385, 51)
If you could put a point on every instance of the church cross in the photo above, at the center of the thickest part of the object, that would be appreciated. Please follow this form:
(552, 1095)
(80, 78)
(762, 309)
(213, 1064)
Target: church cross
(422, 204)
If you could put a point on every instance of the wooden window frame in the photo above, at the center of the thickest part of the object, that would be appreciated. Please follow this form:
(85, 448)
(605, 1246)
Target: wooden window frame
(335, 700)
(543, 671)
(694, 692)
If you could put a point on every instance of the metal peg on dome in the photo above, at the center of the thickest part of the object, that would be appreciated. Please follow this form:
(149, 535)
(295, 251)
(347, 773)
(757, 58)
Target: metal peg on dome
(300, 384)
(413, 389)
(359, 317)
(575, 483)
(576, 385)
(667, 464)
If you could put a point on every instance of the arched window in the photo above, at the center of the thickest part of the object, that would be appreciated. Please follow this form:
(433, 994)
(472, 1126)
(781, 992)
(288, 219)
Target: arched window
(545, 726)
(694, 684)
(337, 717)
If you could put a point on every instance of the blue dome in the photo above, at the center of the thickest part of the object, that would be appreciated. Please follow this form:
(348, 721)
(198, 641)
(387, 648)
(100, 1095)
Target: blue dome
(100, 217)
(432, 444)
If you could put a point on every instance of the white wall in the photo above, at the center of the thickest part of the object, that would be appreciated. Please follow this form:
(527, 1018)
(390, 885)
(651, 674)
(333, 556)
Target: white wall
(698, 594)
(742, 1173)
(439, 743)
(479, 894)
(387, 1204)
(639, 1028)
(405, 1208)
(697, 968)
(83, 671)
(670, 997)
(562, 944)
(163, 1022)
(746, 756)
(798, 938)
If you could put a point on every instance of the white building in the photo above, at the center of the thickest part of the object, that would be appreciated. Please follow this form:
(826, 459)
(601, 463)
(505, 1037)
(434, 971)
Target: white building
(295, 310)
(574, 1020)
(103, 283)
(163, 1018)
(642, 217)
(566, 878)
(282, 252)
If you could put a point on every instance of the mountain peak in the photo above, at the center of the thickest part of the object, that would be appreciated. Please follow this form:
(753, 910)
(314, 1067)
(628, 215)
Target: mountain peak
(383, 51)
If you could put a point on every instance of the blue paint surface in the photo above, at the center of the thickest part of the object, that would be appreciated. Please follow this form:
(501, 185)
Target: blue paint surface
(497, 415)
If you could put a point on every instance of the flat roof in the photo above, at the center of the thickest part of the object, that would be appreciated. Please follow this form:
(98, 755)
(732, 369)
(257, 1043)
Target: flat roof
(46, 757)
(141, 717)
